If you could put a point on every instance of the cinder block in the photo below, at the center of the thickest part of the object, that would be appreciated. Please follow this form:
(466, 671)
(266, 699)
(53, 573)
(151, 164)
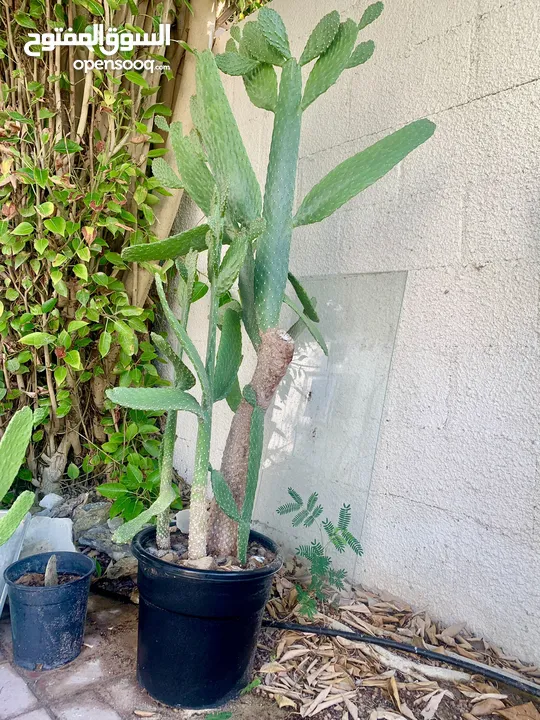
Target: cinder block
(418, 389)
(502, 211)
(506, 51)
(486, 6)
(395, 89)
(495, 392)
(326, 122)
(415, 232)
(467, 474)
(441, 164)
(479, 577)
(300, 19)
(315, 248)
(426, 19)
(483, 307)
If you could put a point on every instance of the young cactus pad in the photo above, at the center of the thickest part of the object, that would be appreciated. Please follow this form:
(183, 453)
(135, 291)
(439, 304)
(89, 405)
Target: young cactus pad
(13, 446)
(212, 162)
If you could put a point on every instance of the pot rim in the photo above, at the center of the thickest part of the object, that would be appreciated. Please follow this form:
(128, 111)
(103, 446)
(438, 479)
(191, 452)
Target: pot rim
(141, 553)
(29, 588)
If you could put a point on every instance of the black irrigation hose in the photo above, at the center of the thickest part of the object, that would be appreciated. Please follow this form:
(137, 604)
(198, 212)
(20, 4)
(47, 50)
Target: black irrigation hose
(478, 668)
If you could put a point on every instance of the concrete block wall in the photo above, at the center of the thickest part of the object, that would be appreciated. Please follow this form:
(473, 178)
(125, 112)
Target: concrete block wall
(453, 514)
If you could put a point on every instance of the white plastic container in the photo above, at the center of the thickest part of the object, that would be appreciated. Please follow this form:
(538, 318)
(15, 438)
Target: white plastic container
(9, 553)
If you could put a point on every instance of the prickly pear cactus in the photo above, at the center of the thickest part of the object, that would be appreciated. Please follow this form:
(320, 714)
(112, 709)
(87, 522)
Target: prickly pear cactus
(13, 446)
(213, 160)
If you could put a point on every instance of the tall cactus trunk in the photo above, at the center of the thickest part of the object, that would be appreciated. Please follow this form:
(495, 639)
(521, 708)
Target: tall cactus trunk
(163, 535)
(273, 358)
(276, 348)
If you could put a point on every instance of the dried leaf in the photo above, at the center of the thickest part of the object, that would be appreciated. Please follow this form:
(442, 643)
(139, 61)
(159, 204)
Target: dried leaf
(294, 654)
(433, 705)
(357, 608)
(273, 667)
(353, 710)
(321, 697)
(520, 712)
(488, 696)
(454, 630)
(329, 703)
(283, 701)
(382, 714)
(407, 712)
(483, 687)
(395, 692)
(487, 707)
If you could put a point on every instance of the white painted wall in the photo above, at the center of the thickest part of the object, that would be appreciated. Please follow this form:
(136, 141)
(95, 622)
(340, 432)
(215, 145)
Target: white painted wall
(453, 512)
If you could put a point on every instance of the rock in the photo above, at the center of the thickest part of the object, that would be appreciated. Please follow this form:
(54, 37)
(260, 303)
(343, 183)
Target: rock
(46, 534)
(50, 501)
(179, 544)
(125, 567)
(89, 516)
(67, 508)
(182, 521)
(205, 563)
(114, 523)
(100, 538)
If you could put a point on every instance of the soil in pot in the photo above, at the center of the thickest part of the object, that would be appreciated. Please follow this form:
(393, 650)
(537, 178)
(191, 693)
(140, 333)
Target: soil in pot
(258, 556)
(38, 579)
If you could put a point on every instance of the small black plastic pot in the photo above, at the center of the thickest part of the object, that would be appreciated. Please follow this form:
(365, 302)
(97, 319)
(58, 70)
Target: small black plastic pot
(47, 623)
(198, 629)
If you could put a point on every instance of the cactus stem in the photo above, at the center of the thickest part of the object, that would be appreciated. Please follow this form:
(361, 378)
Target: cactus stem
(163, 536)
(199, 505)
(273, 358)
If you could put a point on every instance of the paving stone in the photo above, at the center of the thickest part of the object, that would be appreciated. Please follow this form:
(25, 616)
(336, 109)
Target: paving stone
(15, 697)
(67, 680)
(86, 707)
(126, 696)
(40, 714)
(5, 636)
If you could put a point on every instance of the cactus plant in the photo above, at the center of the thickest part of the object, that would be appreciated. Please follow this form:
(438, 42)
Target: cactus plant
(214, 168)
(13, 447)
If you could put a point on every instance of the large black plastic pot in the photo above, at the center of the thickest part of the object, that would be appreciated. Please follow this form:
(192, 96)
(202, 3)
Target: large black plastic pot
(47, 623)
(197, 628)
